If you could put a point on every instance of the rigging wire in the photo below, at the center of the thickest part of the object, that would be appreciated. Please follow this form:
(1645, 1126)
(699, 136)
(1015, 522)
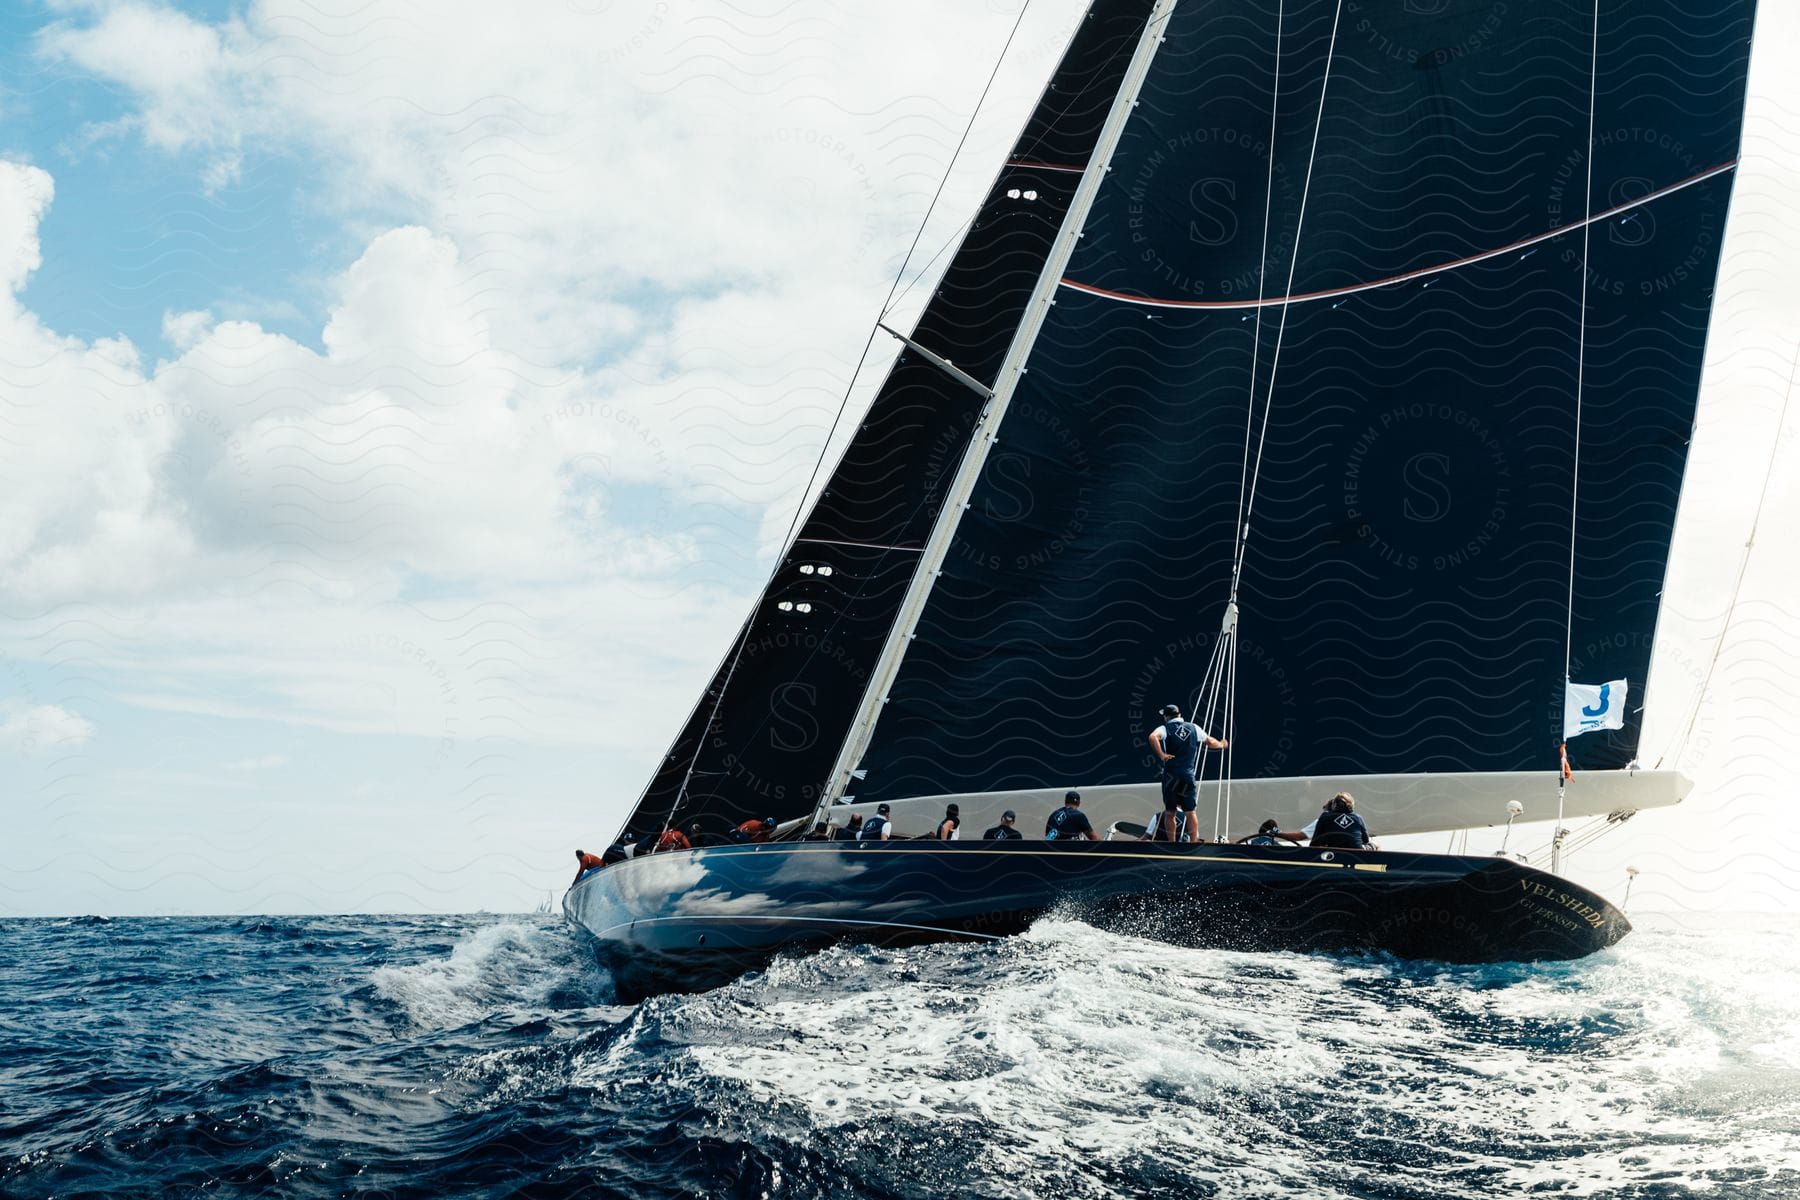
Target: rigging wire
(1252, 472)
(743, 637)
(1587, 210)
(951, 166)
(1743, 563)
(1227, 721)
(1262, 272)
(1237, 569)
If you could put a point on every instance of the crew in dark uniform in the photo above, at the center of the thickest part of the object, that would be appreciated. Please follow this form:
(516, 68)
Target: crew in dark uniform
(877, 828)
(1339, 827)
(1004, 831)
(1177, 744)
(1069, 822)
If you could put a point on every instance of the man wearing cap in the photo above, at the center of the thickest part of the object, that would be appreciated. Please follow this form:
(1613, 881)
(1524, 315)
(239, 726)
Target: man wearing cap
(1004, 831)
(1177, 743)
(877, 828)
(1069, 822)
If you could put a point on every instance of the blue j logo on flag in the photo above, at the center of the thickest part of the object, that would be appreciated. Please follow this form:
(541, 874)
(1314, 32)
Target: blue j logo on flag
(1600, 708)
(1591, 706)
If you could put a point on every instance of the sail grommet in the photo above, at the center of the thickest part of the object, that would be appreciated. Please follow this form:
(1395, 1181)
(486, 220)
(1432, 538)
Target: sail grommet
(1327, 856)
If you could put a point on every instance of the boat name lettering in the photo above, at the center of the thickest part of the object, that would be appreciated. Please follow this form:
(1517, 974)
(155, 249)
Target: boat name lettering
(1585, 911)
(1554, 917)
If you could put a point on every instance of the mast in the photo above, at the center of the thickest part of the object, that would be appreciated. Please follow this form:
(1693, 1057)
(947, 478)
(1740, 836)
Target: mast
(762, 739)
(1012, 368)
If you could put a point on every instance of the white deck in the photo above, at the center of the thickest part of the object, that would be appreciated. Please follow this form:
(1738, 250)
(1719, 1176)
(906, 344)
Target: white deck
(1391, 804)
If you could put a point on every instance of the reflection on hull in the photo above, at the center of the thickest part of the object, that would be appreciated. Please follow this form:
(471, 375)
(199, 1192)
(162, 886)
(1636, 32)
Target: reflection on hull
(694, 920)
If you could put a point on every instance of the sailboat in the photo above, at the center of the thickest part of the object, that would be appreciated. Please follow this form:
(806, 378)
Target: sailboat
(1323, 367)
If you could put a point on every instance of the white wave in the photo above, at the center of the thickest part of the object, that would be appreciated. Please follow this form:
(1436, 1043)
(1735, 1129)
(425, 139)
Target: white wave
(504, 967)
(1080, 1056)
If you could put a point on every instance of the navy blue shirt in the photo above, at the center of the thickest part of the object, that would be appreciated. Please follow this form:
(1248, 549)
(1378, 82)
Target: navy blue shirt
(1067, 822)
(1182, 741)
(1001, 833)
(1345, 830)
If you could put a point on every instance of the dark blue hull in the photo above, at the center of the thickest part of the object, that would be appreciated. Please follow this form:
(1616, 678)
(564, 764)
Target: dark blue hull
(689, 921)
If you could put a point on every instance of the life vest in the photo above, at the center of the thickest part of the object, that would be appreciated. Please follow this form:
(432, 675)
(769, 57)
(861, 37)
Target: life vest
(872, 829)
(752, 830)
(591, 862)
(673, 840)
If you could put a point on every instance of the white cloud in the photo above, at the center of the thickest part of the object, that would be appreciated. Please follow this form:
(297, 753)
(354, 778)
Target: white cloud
(40, 728)
(25, 192)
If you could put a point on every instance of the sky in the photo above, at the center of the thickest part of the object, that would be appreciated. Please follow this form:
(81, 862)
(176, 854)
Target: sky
(400, 406)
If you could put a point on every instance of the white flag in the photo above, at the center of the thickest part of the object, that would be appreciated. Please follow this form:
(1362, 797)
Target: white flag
(1591, 706)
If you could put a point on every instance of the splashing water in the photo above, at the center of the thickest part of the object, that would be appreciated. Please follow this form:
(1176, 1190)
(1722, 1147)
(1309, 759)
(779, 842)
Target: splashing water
(482, 1056)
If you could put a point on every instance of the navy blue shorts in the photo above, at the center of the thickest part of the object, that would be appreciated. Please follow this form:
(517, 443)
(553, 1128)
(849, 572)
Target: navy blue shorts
(1180, 792)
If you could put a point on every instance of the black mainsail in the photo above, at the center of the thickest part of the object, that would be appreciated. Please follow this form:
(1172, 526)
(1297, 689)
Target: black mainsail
(1348, 350)
(1406, 595)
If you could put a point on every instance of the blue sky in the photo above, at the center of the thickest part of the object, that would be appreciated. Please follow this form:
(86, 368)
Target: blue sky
(400, 416)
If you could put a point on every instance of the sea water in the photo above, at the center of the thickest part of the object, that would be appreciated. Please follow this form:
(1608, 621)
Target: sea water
(483, 1056)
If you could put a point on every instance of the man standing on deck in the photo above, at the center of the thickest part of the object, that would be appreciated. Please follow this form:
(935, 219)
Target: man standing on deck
(1177, 743)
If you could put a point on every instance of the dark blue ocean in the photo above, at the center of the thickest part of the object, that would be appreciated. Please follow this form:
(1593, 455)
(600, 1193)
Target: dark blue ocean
(482, 1057)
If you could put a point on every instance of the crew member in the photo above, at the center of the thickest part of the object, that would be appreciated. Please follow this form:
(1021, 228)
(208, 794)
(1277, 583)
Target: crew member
(1268, 834)
(587, 862)
(946, 830)
(1177, 744)
(1004, 831)
(877, 828)
(757, 829)
(674, 839)
(1339, 827)
(1069, 822)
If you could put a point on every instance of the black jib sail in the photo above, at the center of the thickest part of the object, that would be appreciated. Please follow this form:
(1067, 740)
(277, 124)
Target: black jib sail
(763, 738)
(1485, 345)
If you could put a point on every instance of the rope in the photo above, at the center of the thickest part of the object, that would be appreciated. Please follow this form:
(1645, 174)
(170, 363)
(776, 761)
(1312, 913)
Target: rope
(837, 420)
(1250, 474)
(1237, 569)
(1581, 348)
(1587, 208)
(1743, 564)
(1262, 274)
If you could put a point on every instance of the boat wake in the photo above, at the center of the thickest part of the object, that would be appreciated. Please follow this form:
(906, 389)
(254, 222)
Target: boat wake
(429, 1056)
(1084, 1063)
